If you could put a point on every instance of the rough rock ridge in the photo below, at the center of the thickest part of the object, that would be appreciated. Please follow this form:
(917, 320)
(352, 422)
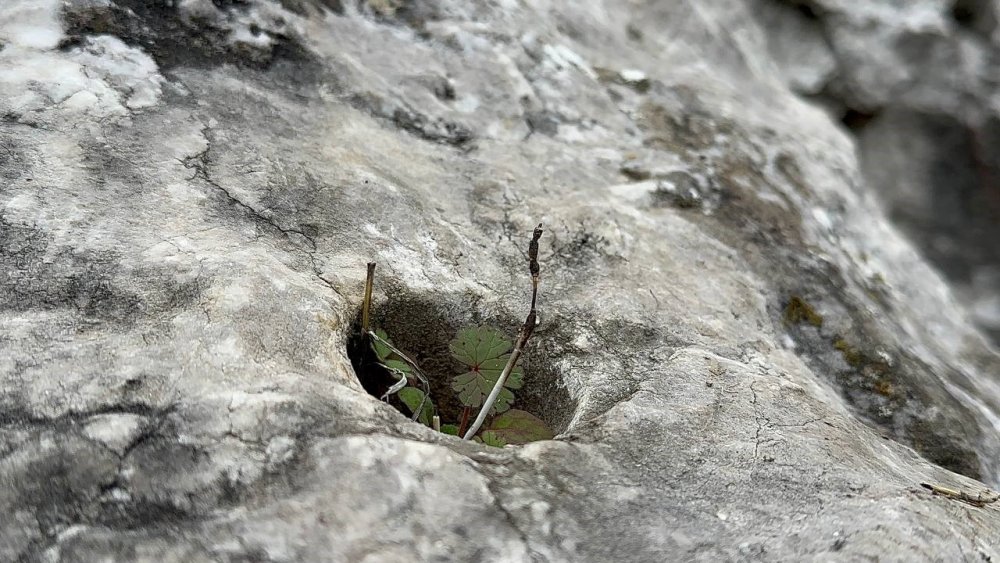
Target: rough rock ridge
(743, 358)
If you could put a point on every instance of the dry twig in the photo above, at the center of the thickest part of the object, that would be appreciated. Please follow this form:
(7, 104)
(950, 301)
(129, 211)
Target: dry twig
(522, 338)
(979, 499)
(366, 305)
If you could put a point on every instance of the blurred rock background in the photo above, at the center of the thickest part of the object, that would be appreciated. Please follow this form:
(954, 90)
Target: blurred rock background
(916, 83)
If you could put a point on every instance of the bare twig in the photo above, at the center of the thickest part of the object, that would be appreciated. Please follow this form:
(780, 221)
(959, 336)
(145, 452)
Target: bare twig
(979, 499)
(416, 371)
(366, 305)
(522, 338)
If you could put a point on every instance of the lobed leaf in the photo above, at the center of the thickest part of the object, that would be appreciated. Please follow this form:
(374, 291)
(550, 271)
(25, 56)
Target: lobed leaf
(485, 351)
(520, 427)
(491, 438)
(474, 345)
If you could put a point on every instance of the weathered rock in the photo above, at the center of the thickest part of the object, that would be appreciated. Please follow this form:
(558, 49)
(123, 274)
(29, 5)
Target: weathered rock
(742, 358)
(917, 83)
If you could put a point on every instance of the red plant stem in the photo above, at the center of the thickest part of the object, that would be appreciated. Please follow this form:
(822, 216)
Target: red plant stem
(466, 413)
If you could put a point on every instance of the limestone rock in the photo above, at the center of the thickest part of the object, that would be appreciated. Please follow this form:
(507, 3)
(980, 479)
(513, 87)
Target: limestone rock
(916, 82)
(743, 359)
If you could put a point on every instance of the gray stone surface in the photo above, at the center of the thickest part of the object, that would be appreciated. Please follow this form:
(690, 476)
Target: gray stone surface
(743, 358)
(917, 83)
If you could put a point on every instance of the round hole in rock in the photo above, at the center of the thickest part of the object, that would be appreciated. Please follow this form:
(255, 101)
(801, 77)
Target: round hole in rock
(968, 13)
(422, 324)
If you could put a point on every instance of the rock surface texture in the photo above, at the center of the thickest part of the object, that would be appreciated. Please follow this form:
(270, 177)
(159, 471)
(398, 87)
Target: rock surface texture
(918, 85)
(744, 360)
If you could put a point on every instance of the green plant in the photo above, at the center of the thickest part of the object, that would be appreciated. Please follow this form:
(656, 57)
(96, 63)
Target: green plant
(417, 402)
(519, 427)
(490, 377)
(485, 352)
(491, 439)
(522, 338)
(402, 367)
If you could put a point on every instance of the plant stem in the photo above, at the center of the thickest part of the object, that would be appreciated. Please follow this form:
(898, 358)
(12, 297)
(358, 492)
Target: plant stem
(466, 413)
(416, 371)
(522, 338)
(366, 305)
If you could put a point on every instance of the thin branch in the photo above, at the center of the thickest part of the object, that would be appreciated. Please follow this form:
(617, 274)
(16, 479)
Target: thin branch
(366, 305)
(522, 338)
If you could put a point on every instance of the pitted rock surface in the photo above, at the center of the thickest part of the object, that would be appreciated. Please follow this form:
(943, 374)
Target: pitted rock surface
(742, 356)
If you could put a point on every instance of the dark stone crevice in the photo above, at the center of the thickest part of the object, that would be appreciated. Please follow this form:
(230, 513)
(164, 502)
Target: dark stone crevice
(978, 16)
(174, 39)
(422, 325)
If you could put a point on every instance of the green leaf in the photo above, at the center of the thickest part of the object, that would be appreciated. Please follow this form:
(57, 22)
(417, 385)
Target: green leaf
(473, 345)
(396, 365)
(449, 429)
(520, 427)
(382, 352)
(484, 351)
(491, 439)
(411, 397)
(387, 358)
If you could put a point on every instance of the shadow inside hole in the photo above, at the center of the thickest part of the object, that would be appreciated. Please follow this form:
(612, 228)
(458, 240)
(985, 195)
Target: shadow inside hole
(423, 324)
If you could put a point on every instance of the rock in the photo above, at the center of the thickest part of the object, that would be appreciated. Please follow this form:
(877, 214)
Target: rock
(741, 357)
(916, 83)
(796, 41)
(116, 431)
